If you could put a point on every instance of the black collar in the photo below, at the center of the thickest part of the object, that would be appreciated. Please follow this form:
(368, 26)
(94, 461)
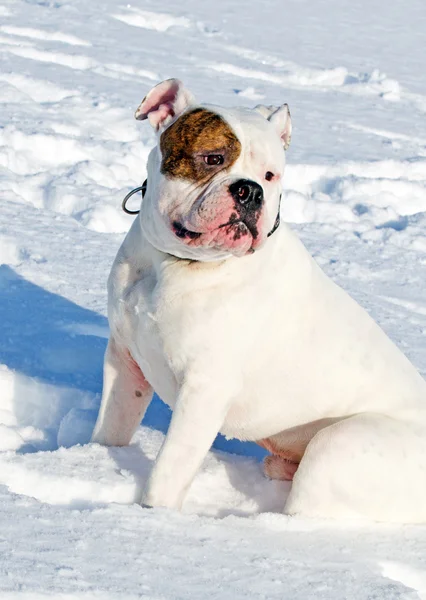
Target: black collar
(142, 189)
(277, 221)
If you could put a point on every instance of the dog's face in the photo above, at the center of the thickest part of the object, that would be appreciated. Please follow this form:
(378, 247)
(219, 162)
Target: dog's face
(214, 179)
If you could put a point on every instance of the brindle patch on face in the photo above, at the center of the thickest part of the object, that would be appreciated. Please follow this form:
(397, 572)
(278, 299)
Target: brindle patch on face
(194, 135)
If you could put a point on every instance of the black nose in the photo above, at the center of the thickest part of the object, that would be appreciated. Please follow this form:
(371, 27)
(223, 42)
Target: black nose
(247, 193)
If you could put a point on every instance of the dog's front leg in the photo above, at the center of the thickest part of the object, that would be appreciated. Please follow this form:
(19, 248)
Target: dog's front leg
(197, 418)
(125, 398)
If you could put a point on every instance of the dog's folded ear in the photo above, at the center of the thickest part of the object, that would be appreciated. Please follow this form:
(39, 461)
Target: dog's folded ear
(265, 111)
(280, 118)
(164, 102)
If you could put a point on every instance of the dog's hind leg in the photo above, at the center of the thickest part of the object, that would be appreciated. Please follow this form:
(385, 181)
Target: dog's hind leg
(125, 398)
(366, 466)
(288, 447)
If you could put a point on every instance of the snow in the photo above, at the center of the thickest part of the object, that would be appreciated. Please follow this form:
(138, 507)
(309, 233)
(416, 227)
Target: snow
(151, 20)
(72, 74)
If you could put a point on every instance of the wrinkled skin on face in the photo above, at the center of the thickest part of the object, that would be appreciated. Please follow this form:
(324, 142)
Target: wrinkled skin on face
(214, 183)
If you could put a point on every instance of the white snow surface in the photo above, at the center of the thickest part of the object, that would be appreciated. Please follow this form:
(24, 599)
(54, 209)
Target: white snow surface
(72, 73)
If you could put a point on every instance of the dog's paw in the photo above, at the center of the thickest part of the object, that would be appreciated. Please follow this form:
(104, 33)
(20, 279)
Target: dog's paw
(276, 467)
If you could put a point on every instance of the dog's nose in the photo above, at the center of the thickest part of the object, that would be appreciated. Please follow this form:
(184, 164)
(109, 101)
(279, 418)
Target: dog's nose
(247, 193)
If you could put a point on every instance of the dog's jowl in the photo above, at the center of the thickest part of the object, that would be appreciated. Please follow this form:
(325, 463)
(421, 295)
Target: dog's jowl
(228, 318)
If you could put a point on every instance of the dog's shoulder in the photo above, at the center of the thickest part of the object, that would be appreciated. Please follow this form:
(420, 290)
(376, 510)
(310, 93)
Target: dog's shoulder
(131, 282)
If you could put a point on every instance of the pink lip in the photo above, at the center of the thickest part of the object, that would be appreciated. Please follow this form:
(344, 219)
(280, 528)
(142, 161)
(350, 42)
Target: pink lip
(221, 226)
(233, 236)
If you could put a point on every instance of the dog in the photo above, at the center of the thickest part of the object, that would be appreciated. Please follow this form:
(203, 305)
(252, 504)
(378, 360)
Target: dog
(221, 310)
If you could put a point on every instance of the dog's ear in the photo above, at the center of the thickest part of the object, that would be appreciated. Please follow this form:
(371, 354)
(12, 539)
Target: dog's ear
(265, 111)
(280, 118)
(164, 102)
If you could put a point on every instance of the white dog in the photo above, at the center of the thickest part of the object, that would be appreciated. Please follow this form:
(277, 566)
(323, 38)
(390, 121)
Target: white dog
(229, 319)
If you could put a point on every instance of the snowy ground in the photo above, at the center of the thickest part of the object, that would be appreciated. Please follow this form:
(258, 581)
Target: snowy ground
(72, 74)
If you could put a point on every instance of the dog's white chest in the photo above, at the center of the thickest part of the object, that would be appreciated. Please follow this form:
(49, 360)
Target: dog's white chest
(139, 320)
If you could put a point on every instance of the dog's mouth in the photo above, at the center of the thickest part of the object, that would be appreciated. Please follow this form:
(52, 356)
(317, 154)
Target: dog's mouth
(182, 232)
(241, 227)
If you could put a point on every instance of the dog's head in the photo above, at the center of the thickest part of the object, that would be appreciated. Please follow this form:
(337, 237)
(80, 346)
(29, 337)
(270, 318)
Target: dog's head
(214, 179)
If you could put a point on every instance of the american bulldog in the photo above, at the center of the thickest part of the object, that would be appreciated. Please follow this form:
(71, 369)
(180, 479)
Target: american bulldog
(230, 320)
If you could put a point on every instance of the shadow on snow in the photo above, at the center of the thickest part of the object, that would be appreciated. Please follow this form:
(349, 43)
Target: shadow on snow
(51, 340)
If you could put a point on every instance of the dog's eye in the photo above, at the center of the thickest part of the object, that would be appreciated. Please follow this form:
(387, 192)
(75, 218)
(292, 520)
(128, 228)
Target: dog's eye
(269, 176)
(213, 159)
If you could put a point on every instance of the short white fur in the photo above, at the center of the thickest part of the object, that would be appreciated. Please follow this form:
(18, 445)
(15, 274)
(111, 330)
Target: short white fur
(255, 345)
